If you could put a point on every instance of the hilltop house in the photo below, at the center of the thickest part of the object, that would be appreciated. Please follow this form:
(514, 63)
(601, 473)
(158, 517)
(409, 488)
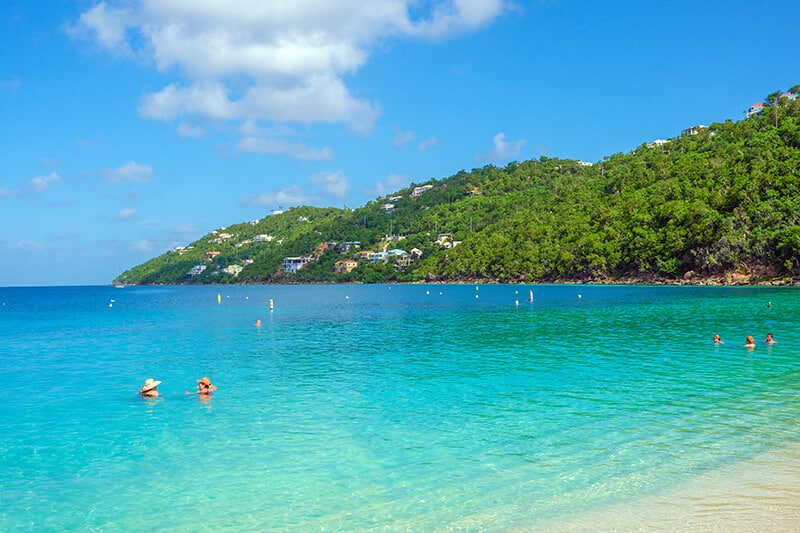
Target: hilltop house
(755, 109)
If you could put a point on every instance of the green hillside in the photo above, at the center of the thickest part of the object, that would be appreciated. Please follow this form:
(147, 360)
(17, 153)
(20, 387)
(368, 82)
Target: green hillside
(718, 202)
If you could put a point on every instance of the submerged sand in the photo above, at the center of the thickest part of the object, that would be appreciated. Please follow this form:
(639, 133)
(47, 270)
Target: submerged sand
(762, 494)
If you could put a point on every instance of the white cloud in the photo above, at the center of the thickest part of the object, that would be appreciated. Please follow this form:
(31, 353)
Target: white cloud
(275, 61)
(130, 172)
(427, 144)
(332, 183)
(289, 196)
(108, 26)
(126, 213)
(403, 137)
(277, 146)
(503, 150)
(7, 193)
(185, 228)
(190, 132)
(42, 183)
(29, 246)
(143, 245)
(391, 184)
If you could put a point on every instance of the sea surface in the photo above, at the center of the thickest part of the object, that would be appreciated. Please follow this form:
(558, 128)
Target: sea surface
(400, 408)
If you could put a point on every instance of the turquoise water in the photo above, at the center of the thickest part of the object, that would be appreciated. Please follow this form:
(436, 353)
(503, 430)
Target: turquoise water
(388, 407)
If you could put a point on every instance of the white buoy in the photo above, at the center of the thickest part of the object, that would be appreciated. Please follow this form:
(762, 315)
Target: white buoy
(271, 305)
(579, 296)
(516, 302)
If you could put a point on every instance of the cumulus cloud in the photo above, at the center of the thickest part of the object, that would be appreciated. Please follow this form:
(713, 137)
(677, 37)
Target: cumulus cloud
(263, 145)
(392, 183)
(186, 228)
(427, 144)
(29, 246)
(42, 183)
(504, 150)
(332, 183)
(289, 196)
(190, 132)
(275, 61)
(126, 213)
(143, 245)
(403, 137)
(130, 172)
(7, 193)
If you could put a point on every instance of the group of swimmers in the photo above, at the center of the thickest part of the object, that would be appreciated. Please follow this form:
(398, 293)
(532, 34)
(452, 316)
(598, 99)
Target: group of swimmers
(750, 341)
(150, 390)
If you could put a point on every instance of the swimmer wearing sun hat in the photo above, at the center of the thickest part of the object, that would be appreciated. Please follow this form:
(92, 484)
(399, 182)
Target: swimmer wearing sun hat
(204, 387)
(148, 390)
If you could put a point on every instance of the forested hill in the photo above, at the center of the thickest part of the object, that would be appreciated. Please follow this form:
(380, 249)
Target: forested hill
(716, 203)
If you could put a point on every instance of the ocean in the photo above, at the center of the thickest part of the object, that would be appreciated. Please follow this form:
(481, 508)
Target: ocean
(400, 408)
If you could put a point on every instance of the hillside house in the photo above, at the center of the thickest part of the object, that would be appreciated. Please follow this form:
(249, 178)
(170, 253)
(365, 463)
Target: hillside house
(197, 269)
(233, 270)
(347, 247)
(344, 266)
(755, 109)
(419, 191)
(293, 264)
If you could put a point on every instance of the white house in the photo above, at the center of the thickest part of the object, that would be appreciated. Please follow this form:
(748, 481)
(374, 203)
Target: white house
(293, 264)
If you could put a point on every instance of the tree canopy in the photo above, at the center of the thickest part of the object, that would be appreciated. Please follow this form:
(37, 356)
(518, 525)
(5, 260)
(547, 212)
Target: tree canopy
(715, 200)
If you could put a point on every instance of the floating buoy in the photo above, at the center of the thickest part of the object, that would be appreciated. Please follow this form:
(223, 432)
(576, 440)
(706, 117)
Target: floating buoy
(427, 292)
(271, 305)
(530, 296)
(516, 302)
(219, 298)
(579, 297)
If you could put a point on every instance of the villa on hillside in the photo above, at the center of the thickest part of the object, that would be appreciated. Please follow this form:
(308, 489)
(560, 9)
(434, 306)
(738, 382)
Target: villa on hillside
(344, 266)
(419, 190)
(755, 109)
(293, 264)
(694, 130)
(197, 269)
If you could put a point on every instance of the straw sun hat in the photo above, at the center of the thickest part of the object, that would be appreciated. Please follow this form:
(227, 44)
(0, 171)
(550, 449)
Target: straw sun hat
(149, 385)
(207, 382)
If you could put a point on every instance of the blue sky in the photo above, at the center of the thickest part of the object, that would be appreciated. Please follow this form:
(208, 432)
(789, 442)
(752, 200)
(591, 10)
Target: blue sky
(129, 127)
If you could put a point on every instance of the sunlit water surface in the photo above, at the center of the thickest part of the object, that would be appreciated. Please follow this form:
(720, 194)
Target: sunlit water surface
(388, 407)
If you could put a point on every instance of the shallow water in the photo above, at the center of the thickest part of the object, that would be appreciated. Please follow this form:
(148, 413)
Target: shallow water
(357, 408)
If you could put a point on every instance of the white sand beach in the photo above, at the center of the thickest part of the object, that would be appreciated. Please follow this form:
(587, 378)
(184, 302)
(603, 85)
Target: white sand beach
(762, 494)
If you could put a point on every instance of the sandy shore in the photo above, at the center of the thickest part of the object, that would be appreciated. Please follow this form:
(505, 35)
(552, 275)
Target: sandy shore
(762, 494)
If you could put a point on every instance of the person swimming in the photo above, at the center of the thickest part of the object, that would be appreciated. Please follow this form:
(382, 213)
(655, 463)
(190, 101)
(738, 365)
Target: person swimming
(718, 339)
(148, 390)
(750, 341)
(204, 387)
(770, 339)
